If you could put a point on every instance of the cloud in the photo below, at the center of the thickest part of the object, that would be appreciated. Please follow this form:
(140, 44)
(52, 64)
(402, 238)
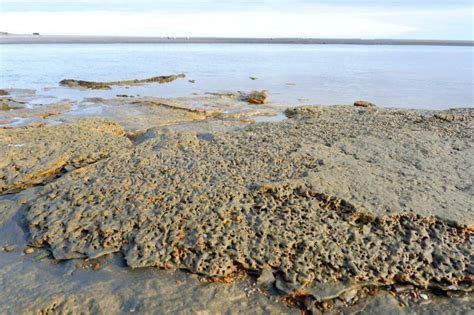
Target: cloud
(222, 24)
(234, 19)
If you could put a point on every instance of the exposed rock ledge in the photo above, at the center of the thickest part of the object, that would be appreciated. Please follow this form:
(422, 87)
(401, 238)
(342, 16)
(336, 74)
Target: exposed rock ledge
(108, 85)
(330, 196)
(31, 156)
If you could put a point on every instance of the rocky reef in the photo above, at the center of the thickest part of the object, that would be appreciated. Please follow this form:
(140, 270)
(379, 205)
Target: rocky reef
(108, 85)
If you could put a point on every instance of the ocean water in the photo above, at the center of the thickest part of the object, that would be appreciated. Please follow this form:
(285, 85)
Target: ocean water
(432, 77)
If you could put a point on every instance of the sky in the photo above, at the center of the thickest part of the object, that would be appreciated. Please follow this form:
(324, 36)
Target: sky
(403, 19)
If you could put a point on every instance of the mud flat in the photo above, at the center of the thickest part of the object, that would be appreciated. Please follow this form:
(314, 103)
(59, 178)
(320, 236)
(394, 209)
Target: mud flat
(320, 211)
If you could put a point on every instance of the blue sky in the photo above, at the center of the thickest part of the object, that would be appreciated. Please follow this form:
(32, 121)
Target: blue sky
(422, 19)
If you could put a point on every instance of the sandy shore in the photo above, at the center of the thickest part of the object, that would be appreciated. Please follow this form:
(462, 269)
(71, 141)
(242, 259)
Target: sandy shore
(68, 39)
(153, 205)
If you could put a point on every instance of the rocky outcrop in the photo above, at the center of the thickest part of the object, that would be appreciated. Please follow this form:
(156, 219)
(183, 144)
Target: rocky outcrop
(33, 156)
(330, 196)
(258, 97)
(108, 85)
(365, 104)
(10, 103)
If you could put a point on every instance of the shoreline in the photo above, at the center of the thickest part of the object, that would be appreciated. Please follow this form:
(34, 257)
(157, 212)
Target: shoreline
(66, 39)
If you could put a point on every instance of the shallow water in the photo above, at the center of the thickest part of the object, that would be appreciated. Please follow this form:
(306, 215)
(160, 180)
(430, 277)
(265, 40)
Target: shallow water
(431, 77)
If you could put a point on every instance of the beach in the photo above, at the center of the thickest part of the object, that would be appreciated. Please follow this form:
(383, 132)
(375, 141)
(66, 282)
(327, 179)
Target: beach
(211, 204)
(236, 157)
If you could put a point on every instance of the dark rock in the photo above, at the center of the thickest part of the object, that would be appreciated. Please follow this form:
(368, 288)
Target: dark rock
(85, 84)
(364, 104)
(108, 85)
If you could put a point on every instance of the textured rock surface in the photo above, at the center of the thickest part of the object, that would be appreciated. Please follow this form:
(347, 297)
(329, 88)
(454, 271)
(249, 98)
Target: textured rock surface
(31, 156)
(328, 196)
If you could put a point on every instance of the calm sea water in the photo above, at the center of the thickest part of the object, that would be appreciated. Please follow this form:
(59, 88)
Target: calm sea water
(396, 76)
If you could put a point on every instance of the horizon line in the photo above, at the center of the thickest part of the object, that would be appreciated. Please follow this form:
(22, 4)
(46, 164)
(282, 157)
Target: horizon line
(36, 38)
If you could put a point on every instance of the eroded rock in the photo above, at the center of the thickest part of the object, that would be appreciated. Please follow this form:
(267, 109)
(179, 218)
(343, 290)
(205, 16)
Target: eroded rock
(319, 198)
(32, 156)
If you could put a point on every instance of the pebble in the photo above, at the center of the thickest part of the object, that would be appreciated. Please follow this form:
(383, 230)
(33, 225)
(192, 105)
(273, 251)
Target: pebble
(96, 267)
(349, 295)
(327, 306)
(9, 248)
(424, 296)
(455, 294)
(69, 168)
(403, 288)
(28, 251)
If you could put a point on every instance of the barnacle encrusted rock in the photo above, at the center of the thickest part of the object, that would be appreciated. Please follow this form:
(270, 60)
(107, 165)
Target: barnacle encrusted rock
(331, 195)
(31, 156)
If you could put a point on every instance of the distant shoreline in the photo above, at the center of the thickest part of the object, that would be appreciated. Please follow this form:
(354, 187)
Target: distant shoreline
(64, 39)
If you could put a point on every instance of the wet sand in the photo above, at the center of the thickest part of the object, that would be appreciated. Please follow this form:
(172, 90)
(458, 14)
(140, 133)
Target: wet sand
(188, 205)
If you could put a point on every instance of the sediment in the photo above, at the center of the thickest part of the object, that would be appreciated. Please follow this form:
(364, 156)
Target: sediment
(337, 195)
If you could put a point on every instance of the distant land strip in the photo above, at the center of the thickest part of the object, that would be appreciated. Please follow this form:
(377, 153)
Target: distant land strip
(64, 39)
